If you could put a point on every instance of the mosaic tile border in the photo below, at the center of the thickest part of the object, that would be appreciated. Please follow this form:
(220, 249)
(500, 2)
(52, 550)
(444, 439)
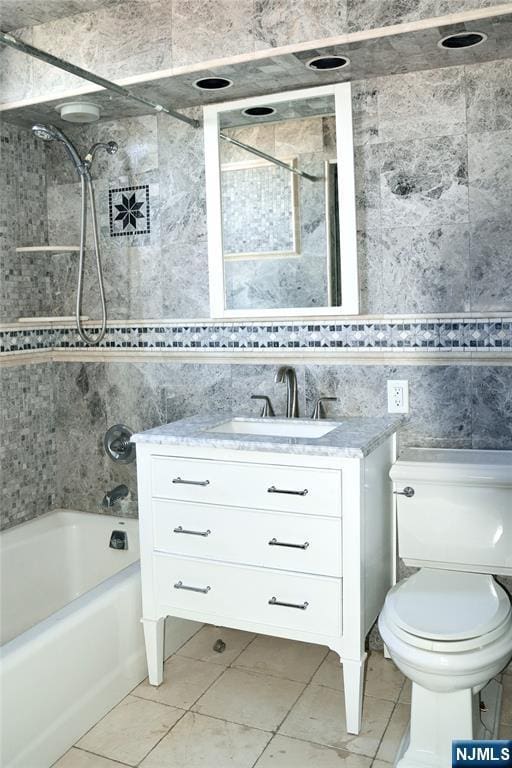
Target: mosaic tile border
(419, 336)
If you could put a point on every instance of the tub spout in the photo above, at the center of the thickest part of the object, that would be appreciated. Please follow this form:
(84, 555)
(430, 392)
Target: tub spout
(110, 498)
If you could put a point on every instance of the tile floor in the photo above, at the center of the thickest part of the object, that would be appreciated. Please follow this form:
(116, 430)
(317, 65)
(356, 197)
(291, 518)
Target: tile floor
(263, 703)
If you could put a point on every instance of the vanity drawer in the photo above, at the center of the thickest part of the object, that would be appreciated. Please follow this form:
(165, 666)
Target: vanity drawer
(222, 591)
(262, 486)
(306, 543)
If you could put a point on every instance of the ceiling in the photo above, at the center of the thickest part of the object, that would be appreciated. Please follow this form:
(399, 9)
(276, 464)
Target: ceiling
(390, 54)
(15, 14)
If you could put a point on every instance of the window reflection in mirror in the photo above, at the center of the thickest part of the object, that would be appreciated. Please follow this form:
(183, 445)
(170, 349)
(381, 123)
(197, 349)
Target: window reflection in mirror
(280, 226)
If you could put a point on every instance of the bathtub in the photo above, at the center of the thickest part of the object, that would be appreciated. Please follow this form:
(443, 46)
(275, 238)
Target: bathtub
(72, 642)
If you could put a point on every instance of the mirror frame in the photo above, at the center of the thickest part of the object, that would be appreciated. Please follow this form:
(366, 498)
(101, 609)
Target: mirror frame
(346, 195)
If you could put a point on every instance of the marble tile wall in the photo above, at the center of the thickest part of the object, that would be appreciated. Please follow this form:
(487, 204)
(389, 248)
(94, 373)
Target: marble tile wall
(24, 278)
(118, 39)
(28, 442)
(433, 189)
(93, 396)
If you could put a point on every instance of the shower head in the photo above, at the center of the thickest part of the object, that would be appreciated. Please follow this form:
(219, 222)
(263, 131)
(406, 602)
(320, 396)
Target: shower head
(51, 133)
(43, 132)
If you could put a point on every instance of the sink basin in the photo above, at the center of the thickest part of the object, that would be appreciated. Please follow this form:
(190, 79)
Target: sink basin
(274, 428)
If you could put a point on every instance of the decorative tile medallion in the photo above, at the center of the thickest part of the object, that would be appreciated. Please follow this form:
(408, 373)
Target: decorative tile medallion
(129, 211)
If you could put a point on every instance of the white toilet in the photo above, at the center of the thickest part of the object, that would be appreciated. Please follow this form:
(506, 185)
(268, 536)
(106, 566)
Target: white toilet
(449, 626)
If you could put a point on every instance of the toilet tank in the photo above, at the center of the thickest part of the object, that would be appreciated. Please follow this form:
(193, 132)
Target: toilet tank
(459, 516)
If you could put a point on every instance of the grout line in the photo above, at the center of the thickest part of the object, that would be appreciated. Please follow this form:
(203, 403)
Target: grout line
(96, 754)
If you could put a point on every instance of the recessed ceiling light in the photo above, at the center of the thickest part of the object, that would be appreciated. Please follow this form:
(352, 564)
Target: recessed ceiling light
(258, 111)
(325, 63)
(212, 83)
(462, 40)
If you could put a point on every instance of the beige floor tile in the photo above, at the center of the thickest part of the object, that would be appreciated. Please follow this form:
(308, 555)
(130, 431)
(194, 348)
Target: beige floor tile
(383, 680)
(77, 758)
(330, 672)
(319, 716)
(204, 742)
(282, 658)
(249, 698)
(381, 764)
(394, 733)
(201, 645)
(505, 731)
(184, 682)
(506, 703)
(405, 693)
(130, 730)
(283, 752)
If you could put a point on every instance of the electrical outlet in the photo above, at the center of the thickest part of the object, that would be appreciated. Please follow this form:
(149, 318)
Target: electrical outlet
(398, 396)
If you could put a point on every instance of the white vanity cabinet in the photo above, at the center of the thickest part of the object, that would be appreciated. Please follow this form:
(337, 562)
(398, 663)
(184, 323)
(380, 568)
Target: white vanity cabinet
(286, 544)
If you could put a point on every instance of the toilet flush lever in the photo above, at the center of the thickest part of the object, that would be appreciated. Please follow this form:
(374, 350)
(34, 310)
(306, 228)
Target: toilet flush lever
(407, 491)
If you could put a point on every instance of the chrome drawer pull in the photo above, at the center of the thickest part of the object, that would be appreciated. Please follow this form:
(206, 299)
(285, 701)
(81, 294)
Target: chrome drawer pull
(408, 492)
(273, 489)
(179, 481)
(276, 543)
(181, 585)
(275, 601)
(179, 529)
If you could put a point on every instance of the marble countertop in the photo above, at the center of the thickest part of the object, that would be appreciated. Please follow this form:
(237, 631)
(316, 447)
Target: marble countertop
(351, 437)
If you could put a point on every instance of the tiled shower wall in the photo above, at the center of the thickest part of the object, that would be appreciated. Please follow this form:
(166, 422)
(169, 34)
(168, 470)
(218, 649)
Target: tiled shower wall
(25, 278)
(433, 187)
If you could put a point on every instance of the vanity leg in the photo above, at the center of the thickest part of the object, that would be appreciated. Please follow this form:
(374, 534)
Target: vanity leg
(154, 639)
(353, 679)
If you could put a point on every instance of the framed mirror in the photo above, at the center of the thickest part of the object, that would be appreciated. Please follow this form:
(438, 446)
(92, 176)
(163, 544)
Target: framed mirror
(281, 205)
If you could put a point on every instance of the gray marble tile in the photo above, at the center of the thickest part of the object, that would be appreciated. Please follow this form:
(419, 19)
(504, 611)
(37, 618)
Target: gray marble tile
(491, 266)
(367, 165)
(425, 270)
(424, 182)
(198, 389)
(278, 24)
(436, 418)
(16, 69)
(81, 422)
(492, 407)
(489, 96)
(439, 417)
(421, 104)
(368, 14)
(370, 263)
(203, 31)
(183, 270)
(182, 181)
(490, 175)
(365, 114)
(135, 38)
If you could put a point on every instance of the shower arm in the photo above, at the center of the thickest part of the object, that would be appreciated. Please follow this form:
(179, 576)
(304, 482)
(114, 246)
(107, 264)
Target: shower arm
(270, 158)
(37, 53)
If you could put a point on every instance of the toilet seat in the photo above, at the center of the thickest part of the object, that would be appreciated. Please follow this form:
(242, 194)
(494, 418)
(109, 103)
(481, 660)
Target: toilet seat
(450, 611)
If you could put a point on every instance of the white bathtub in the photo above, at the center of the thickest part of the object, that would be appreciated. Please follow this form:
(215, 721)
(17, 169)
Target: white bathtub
(70, 624)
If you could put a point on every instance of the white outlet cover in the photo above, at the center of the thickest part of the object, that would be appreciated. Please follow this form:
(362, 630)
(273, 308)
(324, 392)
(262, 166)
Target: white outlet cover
(398, 396)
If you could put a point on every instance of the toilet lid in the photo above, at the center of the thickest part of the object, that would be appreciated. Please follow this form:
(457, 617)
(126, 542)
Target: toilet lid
(448, 605)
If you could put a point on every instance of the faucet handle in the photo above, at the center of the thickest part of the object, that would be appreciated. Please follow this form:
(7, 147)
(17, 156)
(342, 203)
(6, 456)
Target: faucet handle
(267, 409)
(318, 409)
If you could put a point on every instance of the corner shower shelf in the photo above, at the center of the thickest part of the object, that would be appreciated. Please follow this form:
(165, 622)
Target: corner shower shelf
(48, 249)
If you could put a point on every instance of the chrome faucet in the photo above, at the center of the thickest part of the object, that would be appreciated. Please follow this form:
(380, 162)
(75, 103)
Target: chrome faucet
(110, 498)
(287, 373)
